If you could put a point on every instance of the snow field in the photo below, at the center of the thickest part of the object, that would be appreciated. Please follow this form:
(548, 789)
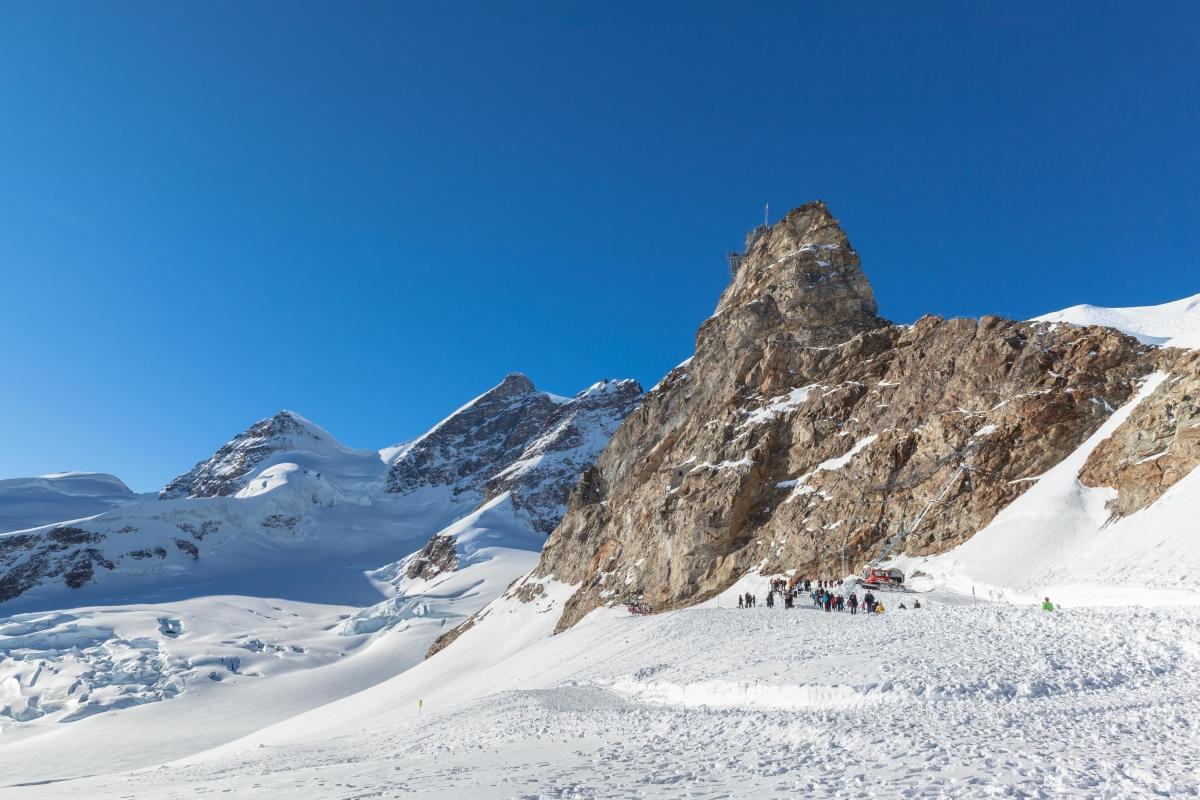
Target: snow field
(949, 701)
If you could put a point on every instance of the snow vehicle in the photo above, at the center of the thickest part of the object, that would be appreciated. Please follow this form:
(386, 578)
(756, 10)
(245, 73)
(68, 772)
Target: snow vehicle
(880, 578)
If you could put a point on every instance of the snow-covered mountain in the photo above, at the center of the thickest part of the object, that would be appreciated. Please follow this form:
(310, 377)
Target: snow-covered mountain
(61, 496)
(229, 468)
(285, 509)
(1174, 324)
(515, 439)
(569, 442)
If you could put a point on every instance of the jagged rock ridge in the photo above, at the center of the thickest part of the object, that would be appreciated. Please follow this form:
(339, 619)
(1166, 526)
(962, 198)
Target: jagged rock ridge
(517, 439)
(573, 435)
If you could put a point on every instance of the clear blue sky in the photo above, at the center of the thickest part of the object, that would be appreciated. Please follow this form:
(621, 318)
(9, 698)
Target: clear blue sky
(370, 212)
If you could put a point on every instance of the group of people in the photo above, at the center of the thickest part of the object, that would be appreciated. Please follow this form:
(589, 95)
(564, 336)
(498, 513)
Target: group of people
(829, 595)
(748, 600)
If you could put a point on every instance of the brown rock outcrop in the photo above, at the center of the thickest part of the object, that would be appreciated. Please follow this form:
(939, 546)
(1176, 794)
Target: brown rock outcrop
(437, 556)
(1158, 444)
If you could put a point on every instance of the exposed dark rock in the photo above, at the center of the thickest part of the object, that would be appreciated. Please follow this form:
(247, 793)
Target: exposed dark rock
(437, 556)
(198, 533)
(187, 547)
(473, 444)
(64, 535)
(153, 552)
(517, 439)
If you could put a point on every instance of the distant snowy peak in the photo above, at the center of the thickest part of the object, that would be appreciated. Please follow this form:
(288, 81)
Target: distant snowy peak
(519, 439)
(462, 451)
(227, 470)
(1174, 324)
(570, 441)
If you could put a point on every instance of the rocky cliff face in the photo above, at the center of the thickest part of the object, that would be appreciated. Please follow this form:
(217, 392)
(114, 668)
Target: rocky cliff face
(1160, 442)
(477, 441)
(806, 430)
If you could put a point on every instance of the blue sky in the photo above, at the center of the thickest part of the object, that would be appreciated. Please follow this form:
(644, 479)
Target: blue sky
(370, 212)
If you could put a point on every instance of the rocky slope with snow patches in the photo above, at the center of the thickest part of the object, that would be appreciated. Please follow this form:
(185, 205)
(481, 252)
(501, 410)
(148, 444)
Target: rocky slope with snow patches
(519, 440)
(806, 431)
(549, 466)
(286, 509)
(228, 469)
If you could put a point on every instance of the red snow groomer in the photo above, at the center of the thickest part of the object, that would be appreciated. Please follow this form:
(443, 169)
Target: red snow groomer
(880, 578)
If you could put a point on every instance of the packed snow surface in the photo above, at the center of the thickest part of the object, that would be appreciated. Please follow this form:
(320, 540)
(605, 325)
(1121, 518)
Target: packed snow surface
(1175, 324)
(952, 700)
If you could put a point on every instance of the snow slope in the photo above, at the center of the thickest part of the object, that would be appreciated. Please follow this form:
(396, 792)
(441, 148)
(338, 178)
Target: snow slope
(196, 673)
(61, 496)
(1174, 324)
(1056, 539)
(251, 590)
(952, 700)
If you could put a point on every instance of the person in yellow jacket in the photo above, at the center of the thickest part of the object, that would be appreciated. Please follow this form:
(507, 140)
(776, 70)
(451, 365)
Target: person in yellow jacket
(1047, 605)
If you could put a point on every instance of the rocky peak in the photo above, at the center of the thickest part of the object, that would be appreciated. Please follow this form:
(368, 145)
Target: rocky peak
(223, 473)
(801, 276)
(515, 384)
(806, 430)
(475, 442)
(542, 477)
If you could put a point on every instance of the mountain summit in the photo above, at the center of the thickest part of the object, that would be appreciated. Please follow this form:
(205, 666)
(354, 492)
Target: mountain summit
(800, 276)
(515, 438)
(223, 473)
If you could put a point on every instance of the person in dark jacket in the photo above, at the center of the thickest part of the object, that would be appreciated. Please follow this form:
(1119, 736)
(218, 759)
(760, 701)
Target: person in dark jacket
(853, 603)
